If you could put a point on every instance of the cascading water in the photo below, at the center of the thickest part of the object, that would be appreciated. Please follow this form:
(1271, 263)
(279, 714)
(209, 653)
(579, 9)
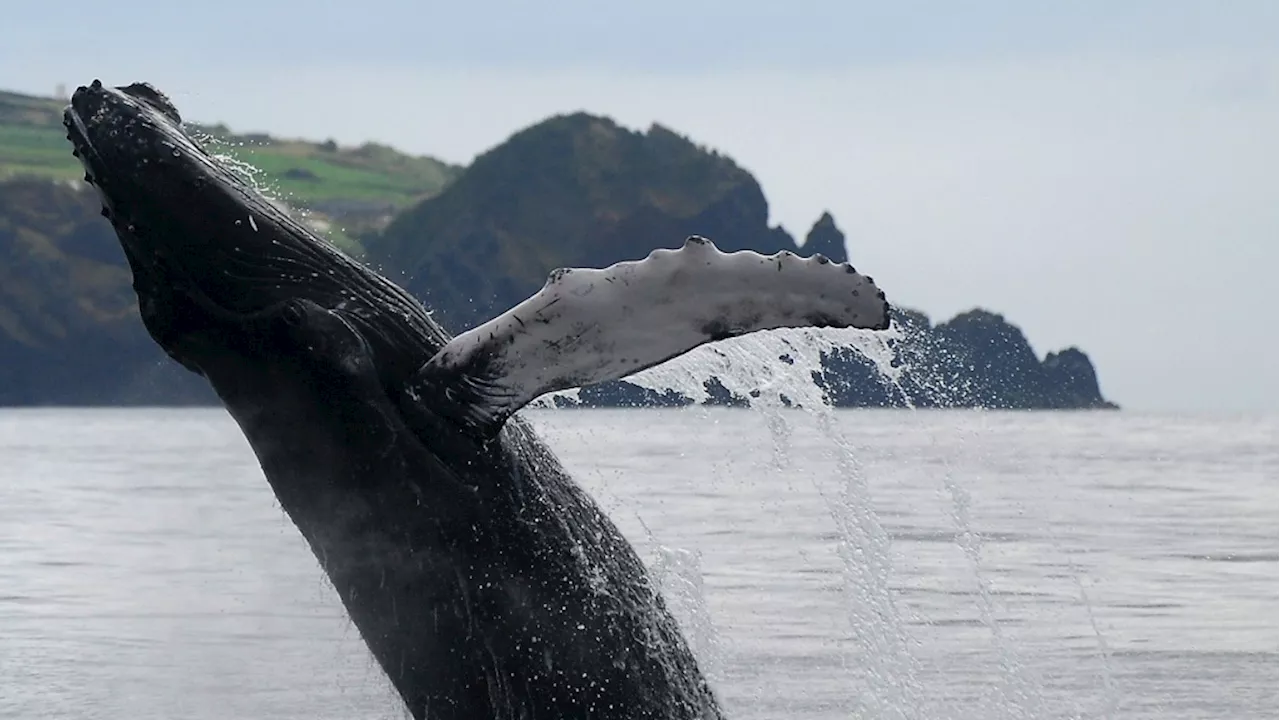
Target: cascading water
(776, 370)
(678, 573)
(1019, 695)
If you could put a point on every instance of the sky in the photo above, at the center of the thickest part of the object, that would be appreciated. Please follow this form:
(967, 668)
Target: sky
(1102, 172)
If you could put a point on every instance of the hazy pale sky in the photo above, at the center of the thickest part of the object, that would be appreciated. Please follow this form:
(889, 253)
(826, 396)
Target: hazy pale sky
(1102, 172)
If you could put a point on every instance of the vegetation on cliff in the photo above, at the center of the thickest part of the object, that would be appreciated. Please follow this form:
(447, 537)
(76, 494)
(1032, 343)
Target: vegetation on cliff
(574, 190)
(347, 191)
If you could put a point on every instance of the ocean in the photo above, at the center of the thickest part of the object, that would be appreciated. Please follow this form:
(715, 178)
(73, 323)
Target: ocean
(858, 564)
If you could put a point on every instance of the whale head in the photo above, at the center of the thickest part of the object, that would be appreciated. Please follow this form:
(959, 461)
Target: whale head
(210, 254)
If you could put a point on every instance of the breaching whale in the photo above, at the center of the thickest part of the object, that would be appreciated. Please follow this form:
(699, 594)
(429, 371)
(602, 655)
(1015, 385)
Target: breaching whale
(484, 581)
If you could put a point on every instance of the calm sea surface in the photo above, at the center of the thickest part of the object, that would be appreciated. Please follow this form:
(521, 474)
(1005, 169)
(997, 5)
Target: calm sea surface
(886, 564)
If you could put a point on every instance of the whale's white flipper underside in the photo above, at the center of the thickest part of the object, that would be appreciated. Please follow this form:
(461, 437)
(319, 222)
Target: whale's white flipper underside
(587, 326)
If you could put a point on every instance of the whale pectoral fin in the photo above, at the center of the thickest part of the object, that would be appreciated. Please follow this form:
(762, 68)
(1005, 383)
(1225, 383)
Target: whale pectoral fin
(588, 326)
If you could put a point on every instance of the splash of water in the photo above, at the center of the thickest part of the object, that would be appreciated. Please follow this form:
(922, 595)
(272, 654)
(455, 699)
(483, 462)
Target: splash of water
(256, 178)
(771, 368)
(777, 369)
(247, 172)
(1020, 692)
(678, 574)
(876, 619)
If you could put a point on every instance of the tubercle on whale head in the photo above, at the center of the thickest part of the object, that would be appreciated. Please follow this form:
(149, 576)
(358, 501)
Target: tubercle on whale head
(210, 253)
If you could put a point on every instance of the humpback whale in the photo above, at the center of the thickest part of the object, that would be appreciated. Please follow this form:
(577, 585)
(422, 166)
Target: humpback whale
(483, 580)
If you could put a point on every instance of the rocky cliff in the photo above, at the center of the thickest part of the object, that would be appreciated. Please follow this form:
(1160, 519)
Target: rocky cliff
(976, 359)
(574, 190)
(581, 191)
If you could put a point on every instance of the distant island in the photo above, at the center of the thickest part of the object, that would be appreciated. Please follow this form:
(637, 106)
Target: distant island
(571, 191)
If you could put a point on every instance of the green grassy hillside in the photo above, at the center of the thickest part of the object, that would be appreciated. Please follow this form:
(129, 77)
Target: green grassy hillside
(347, 190)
